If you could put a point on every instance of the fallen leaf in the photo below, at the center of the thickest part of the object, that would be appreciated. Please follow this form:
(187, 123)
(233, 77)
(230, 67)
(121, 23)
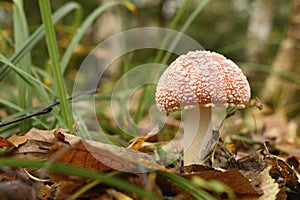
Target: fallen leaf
(17, 140)
(137, 143)
(117, 195)
(232, 177)
(5, 143)
(103, 157)
(294, 161)
(66, 188)
(269, 187)
(254, 164)
(83, 153)
(16, 190)
(288, 148)
(222, 157)
(284, 175)
(37, 145)
(276, 126)
(239, 184)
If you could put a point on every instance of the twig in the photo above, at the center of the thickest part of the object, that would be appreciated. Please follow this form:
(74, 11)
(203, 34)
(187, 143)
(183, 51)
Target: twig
(47, 109)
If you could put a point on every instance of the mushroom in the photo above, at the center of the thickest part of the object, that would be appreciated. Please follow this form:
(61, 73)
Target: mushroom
(198, 83)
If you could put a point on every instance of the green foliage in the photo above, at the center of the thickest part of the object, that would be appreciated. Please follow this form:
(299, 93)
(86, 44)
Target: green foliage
(54, 58)
(21, 34)
(214, 186)
(32, 80)
(187, 185)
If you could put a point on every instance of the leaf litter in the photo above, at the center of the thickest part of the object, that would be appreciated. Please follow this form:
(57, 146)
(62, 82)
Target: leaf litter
(269, 172)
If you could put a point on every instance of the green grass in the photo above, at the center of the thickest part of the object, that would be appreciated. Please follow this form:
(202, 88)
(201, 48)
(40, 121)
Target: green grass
(55, 63)
(30, 79)
(21, 34)
(148, 91)
(36, 36)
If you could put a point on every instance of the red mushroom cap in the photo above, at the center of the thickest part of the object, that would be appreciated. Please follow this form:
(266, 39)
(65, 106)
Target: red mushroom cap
(202, 77)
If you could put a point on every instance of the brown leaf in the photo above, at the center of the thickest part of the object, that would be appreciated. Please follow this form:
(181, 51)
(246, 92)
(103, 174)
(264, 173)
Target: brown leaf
(268, 185)
(276, 126)
(252, 162)
(103, 157)
(138, 142)
(223, 157)
(294, 161)
(16, 190)
(232, 177)
(288, 148)
(117, 195)
(17, 140)
(5, 143)
(66, 188)
(88, 154)
(239, 184)
(37, 145)
(281, 173)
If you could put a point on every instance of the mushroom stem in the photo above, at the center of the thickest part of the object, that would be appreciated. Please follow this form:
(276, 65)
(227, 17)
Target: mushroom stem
(198, 136)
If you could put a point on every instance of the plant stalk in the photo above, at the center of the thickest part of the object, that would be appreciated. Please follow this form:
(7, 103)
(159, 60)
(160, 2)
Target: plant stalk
(54, 57)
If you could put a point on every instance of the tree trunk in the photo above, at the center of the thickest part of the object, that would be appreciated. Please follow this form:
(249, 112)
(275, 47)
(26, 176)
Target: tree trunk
(259, 28)
(278, 91)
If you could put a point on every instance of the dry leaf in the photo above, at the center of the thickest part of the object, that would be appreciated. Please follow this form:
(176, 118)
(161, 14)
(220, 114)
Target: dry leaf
(103, 157)
(66, 188)
(37, 145)
(16, 190)
(17, 140)
(288, 148)
(281, 173)
(252, 162)
(223, 158)
(294, 161)
(5, 143)
(117, 195)
(137, 143)
(276, 126)
(284, 175)
(89, 154)
(268, 185)
(232, 177)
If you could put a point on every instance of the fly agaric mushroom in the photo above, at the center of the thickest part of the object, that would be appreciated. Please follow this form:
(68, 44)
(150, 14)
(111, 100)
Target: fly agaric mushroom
(198, 82)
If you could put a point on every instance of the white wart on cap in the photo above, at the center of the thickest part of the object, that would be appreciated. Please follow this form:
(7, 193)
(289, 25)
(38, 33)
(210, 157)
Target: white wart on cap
(202, 77)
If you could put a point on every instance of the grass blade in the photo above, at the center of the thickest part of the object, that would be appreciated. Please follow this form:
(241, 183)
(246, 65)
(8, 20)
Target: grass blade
(54, 57)
(28, 78)
(22, 112)
(85, 25)
(185, 26)
(21, 34)
(149, 90)
(186, 185)
(37, 36)
(72, 170)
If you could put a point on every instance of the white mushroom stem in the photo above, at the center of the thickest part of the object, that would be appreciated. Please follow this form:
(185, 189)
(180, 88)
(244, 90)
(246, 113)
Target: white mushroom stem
(198, 136)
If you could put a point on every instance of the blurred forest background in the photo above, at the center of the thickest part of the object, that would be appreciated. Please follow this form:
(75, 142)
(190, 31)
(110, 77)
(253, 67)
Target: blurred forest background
(261, 36)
